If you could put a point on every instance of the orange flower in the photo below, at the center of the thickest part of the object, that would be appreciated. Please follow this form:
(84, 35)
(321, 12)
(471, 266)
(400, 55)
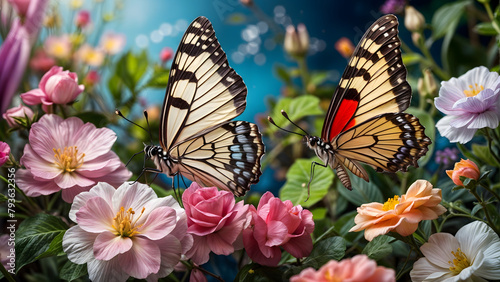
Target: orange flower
(345, 47)
(465, 168)
(400, 214)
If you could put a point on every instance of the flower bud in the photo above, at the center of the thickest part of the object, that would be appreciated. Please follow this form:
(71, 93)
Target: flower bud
(92, 78)
(414, 20)
(465, 168)
(417, 38)
(166, 54)
(17, 112)
(422, 91)
(430, 82)
(82, 19)
(246, 2)
(4, 152)
(296, 42)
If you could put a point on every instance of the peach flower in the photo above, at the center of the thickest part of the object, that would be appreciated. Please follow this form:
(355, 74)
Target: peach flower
(400, 214)
(465, 168)
(358, 268)
(345, 47)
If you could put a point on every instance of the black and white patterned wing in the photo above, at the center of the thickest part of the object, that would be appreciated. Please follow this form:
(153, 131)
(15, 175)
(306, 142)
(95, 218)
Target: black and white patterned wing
(227, 157)
(203, 90)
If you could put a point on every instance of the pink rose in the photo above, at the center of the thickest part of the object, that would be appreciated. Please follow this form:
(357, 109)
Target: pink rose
(214, 220)
(41, 61)
(278, 224)
(17, 112)
(56, 87)
(4, 152)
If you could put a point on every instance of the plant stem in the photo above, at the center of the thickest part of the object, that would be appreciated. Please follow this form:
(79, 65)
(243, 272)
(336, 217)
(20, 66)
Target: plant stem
(304, 72)
(486, 212)
(6, 274)
(401, 272)
(490, 190)
(490, 145)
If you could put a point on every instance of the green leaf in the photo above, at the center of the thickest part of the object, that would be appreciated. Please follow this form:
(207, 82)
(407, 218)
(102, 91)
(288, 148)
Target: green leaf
(96, 118)
(297, 177)
(485, 29)
(296, 108)
(319, 213)
(326, 250)
(345, 223)
(362, 192)
(131, 68)
(37, 235)
(3, 198)
(379, 247)
(257, 273)
(483, 153)
(71, 271)
(55, 247)
(446, 18)
(283, 74)
(430, 130)
(159, 78)
(318, 77)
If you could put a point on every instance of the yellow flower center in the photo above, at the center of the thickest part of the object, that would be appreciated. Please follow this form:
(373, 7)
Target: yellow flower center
(473, 90)
(124, 223)
(68, 159)
(331, 277)
(391, 203)
(459, 263)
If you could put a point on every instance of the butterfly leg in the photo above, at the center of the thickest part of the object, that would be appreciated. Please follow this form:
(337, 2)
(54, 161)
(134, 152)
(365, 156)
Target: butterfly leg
(311, 177)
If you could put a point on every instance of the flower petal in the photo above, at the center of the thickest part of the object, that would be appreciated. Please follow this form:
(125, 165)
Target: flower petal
(143, 259)
(159, 223)
(108, 245)
(423, 269)
(111, 270)
(102, 190)
(133, 195)
(78, 244)
(95, 216)
(438, 249)
(170, 248)
(34, 187)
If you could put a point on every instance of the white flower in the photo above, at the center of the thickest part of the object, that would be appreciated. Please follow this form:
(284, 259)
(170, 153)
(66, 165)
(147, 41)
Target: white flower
(472, 255)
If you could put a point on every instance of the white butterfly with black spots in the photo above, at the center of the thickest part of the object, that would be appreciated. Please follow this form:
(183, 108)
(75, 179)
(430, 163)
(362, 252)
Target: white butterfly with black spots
(197, 138)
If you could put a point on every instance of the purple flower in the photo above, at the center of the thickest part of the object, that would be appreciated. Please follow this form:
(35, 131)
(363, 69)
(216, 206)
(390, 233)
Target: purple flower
(392, 7)
(68, 155)
(15, 50)
(447, 156)
(470, 102)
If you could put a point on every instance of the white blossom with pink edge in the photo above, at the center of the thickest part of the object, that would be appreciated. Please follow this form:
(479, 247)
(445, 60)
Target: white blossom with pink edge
(126, 232)
(68, 155)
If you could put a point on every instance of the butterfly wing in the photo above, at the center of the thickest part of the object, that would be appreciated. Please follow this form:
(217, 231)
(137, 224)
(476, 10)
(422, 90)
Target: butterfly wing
(373, 83)
(227, 156)
(390, 142)
(203, 90)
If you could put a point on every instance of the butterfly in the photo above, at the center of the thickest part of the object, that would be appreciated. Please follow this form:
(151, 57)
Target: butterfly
(365, 122)
(197, 138)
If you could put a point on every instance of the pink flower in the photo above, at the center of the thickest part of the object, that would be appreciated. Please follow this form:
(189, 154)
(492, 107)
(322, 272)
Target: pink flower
(400, 214)
(466, 168)
(21, 6)
(92, 78)
(4, 152)
(7, 253)
(278, 224)
(126, 232)
(90, 56)
(112, 43)
(68, 155)
(58, 46)
(15, 50)
(82, 19)
(214, 220)
(55, 87)
(41, 61)
(197, 276)
(356, 269)
(166, 54)
(17, 112)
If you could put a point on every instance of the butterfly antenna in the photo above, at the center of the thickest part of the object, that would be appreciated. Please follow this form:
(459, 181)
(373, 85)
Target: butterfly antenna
(129, 160)
(286, 116)
(149, 128)
(117, 112)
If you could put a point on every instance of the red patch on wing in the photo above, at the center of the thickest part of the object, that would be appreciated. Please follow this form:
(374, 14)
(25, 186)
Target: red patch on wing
(342, 120)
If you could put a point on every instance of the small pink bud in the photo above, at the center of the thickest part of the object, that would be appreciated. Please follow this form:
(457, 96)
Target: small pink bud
(465, 168)
(82, 19)
(166, 54)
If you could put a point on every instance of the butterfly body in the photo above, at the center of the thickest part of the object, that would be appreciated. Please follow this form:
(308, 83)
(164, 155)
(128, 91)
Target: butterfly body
(198, 140)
